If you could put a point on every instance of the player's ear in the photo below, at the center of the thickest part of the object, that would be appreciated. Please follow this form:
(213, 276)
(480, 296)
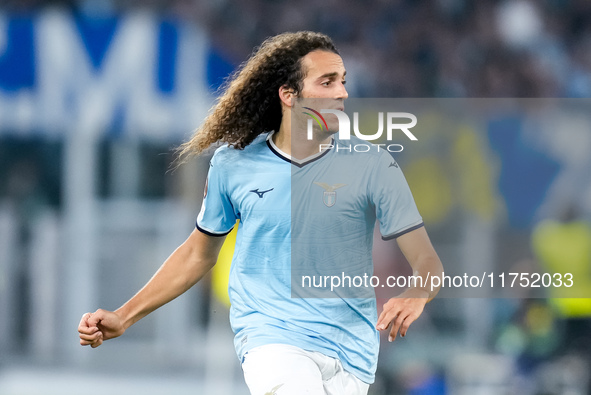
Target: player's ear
(286, 95)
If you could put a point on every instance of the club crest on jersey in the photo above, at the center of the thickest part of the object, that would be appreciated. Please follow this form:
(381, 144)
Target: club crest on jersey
(329, 198)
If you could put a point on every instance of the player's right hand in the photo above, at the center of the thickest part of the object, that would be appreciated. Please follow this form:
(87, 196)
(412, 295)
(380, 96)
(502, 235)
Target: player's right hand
(99, 326)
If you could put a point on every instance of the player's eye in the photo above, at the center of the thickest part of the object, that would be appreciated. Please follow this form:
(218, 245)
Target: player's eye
(326, 83)
(344, 82)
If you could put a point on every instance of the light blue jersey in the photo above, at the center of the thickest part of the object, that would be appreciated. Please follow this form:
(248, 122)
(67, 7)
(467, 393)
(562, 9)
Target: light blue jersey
(305, 219)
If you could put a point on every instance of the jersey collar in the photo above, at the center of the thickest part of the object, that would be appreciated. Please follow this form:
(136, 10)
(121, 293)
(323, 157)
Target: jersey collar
(288, 158)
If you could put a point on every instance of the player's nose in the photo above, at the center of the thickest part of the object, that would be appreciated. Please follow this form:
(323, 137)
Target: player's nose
(342, 92)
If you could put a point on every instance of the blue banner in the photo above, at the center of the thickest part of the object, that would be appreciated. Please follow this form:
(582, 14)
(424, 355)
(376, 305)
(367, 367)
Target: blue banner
(126, 75)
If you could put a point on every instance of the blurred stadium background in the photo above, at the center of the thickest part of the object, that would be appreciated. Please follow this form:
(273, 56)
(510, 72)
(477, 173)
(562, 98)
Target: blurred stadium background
(95, 94)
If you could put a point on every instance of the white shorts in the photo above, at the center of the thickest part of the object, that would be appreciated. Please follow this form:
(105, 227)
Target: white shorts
(280, 369)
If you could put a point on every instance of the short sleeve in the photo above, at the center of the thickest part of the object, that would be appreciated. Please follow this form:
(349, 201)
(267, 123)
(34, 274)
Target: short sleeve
(217, 216)
(396, 210)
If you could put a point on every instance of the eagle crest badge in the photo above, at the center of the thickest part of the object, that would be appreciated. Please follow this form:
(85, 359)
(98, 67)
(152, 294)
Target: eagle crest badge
(329, 198)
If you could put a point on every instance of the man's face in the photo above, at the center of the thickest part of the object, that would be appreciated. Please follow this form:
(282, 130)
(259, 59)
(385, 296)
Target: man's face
(325, 76)
(324, 84)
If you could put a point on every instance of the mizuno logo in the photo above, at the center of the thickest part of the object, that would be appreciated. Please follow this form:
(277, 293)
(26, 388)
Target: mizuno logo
(261, 193)
(393, 164)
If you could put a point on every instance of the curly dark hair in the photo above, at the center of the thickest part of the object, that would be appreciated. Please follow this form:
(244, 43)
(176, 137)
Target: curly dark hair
(250, 103)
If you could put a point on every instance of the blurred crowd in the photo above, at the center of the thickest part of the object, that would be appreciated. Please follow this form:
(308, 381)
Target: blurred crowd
(405, 48)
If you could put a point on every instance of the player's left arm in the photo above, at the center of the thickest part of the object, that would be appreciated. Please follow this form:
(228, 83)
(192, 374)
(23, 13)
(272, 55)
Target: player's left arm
(401, 311)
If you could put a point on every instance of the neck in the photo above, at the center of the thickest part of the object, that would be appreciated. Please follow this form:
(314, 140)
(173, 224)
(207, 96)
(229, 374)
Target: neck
(297, 145)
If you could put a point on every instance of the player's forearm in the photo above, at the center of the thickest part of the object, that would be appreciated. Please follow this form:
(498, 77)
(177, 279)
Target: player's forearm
(427, 267)
(423, 259)
(185, 267)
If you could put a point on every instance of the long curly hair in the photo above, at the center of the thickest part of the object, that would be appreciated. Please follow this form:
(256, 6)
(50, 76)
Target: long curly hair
(250, 103)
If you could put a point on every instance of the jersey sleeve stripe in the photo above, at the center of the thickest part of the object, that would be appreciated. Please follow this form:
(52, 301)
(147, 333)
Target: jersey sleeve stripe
(403, 232)
(210, 232)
